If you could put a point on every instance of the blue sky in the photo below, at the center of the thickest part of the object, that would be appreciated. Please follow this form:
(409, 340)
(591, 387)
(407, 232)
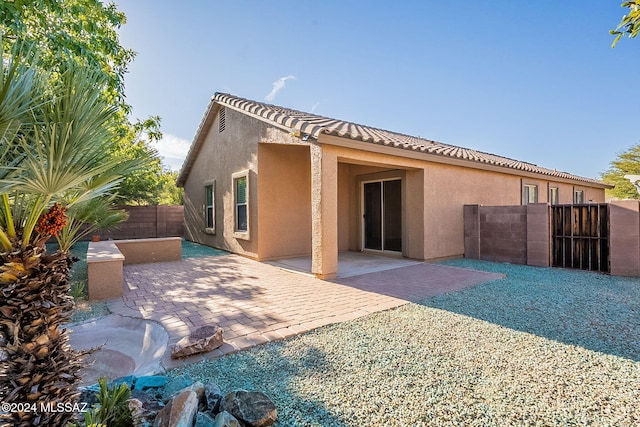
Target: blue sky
(536, 81)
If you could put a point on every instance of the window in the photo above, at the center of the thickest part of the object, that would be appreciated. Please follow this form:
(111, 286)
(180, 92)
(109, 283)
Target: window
(578, 197)
(529, 194)
(210, 213)
(241, 203)
(554, 198)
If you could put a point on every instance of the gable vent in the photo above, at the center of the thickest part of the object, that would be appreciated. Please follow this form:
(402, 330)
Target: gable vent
(222, 119)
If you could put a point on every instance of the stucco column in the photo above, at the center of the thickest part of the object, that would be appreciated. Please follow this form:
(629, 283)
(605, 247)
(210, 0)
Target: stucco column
(324, 213)
(624, 238)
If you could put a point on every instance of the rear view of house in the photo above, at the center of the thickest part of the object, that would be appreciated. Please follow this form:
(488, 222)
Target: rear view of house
(269, 182)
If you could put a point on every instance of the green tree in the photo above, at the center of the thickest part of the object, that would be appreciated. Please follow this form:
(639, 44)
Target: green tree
(55, 144)
(627, 163)
(80, 31)
(630, 23)
(153, 184)
(85, 32)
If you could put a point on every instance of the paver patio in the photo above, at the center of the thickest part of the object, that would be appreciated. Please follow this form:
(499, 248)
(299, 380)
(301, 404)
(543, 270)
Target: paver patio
(256, 302)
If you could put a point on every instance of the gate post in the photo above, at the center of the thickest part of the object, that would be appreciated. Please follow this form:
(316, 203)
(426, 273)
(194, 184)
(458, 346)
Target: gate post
(624, 237)
(538, 235)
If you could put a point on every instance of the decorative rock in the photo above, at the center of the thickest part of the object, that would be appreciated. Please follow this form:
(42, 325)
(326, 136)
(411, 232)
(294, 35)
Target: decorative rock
(251, 407)
(197, 388)
(179, 412)
(203, 339)
(176, 384)
(225, 419)
(153, 381)
(213, 396)
(203, 420)
(149, 407)
(137, 411)
(88, 394)
(128, 380)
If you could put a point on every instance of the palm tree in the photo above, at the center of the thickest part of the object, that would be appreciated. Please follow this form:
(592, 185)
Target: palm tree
(88, 217)
(56, 137)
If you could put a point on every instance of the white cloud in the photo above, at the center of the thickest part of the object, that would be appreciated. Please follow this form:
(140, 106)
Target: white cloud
(278, 85)
(313, 109)
(173, 150)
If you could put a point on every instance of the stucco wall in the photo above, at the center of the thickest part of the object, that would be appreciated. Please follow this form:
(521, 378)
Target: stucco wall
(347, 202)
(284, 197)
(223, 154)
(447, 190)
(438, 230)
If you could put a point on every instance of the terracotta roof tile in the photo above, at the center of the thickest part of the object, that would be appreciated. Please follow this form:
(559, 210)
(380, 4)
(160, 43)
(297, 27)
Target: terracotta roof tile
(314, 125)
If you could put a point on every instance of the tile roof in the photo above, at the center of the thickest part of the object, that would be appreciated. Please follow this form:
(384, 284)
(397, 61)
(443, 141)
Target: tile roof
(315, 125)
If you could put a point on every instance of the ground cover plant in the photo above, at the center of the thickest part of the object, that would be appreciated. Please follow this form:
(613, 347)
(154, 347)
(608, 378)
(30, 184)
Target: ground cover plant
(541, 347)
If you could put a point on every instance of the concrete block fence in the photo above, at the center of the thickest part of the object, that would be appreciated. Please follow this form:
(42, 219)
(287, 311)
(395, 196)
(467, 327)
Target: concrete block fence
(523, 235)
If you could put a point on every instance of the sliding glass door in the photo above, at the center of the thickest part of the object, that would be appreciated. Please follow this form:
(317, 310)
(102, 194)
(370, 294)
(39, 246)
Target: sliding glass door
(382, 218)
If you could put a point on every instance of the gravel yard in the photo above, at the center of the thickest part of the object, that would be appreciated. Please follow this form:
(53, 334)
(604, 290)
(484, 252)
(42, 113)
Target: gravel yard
(541, 347)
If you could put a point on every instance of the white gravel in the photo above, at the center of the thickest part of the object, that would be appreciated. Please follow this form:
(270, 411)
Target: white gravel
(506, 353)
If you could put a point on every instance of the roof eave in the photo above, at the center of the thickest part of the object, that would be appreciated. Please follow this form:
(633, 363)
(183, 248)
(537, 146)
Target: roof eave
(198, 140)
(409, 152)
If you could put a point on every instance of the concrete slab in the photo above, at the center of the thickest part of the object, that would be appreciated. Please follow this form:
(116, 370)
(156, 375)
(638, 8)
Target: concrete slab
(349, 263)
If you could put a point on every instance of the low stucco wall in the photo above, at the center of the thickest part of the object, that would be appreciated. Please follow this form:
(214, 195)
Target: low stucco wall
(142, 251)
(105, 261)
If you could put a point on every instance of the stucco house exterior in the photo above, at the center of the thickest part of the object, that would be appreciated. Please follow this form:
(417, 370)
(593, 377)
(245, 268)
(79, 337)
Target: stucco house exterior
(269, 182)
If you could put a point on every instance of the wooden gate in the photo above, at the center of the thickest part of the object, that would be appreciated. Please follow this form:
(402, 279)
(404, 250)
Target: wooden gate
(580, 236)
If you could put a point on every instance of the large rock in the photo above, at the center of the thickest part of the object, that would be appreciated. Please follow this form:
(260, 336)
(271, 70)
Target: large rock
(204, 420)
(175, 385)
(153, 381)
(137, 411)
(179, 412)
(144, 408)
(201, 340)
(251, 407)
(225, 419)
(197, 388)
(213, 396)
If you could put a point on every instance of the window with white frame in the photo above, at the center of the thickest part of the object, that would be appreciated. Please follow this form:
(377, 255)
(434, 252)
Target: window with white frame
(554, 196)
(210, 211)
(578, 197)
(241, 202)
(529, 194)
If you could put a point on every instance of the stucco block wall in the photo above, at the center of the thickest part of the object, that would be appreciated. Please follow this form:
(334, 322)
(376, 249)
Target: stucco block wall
(284, 197)
(624, 238)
